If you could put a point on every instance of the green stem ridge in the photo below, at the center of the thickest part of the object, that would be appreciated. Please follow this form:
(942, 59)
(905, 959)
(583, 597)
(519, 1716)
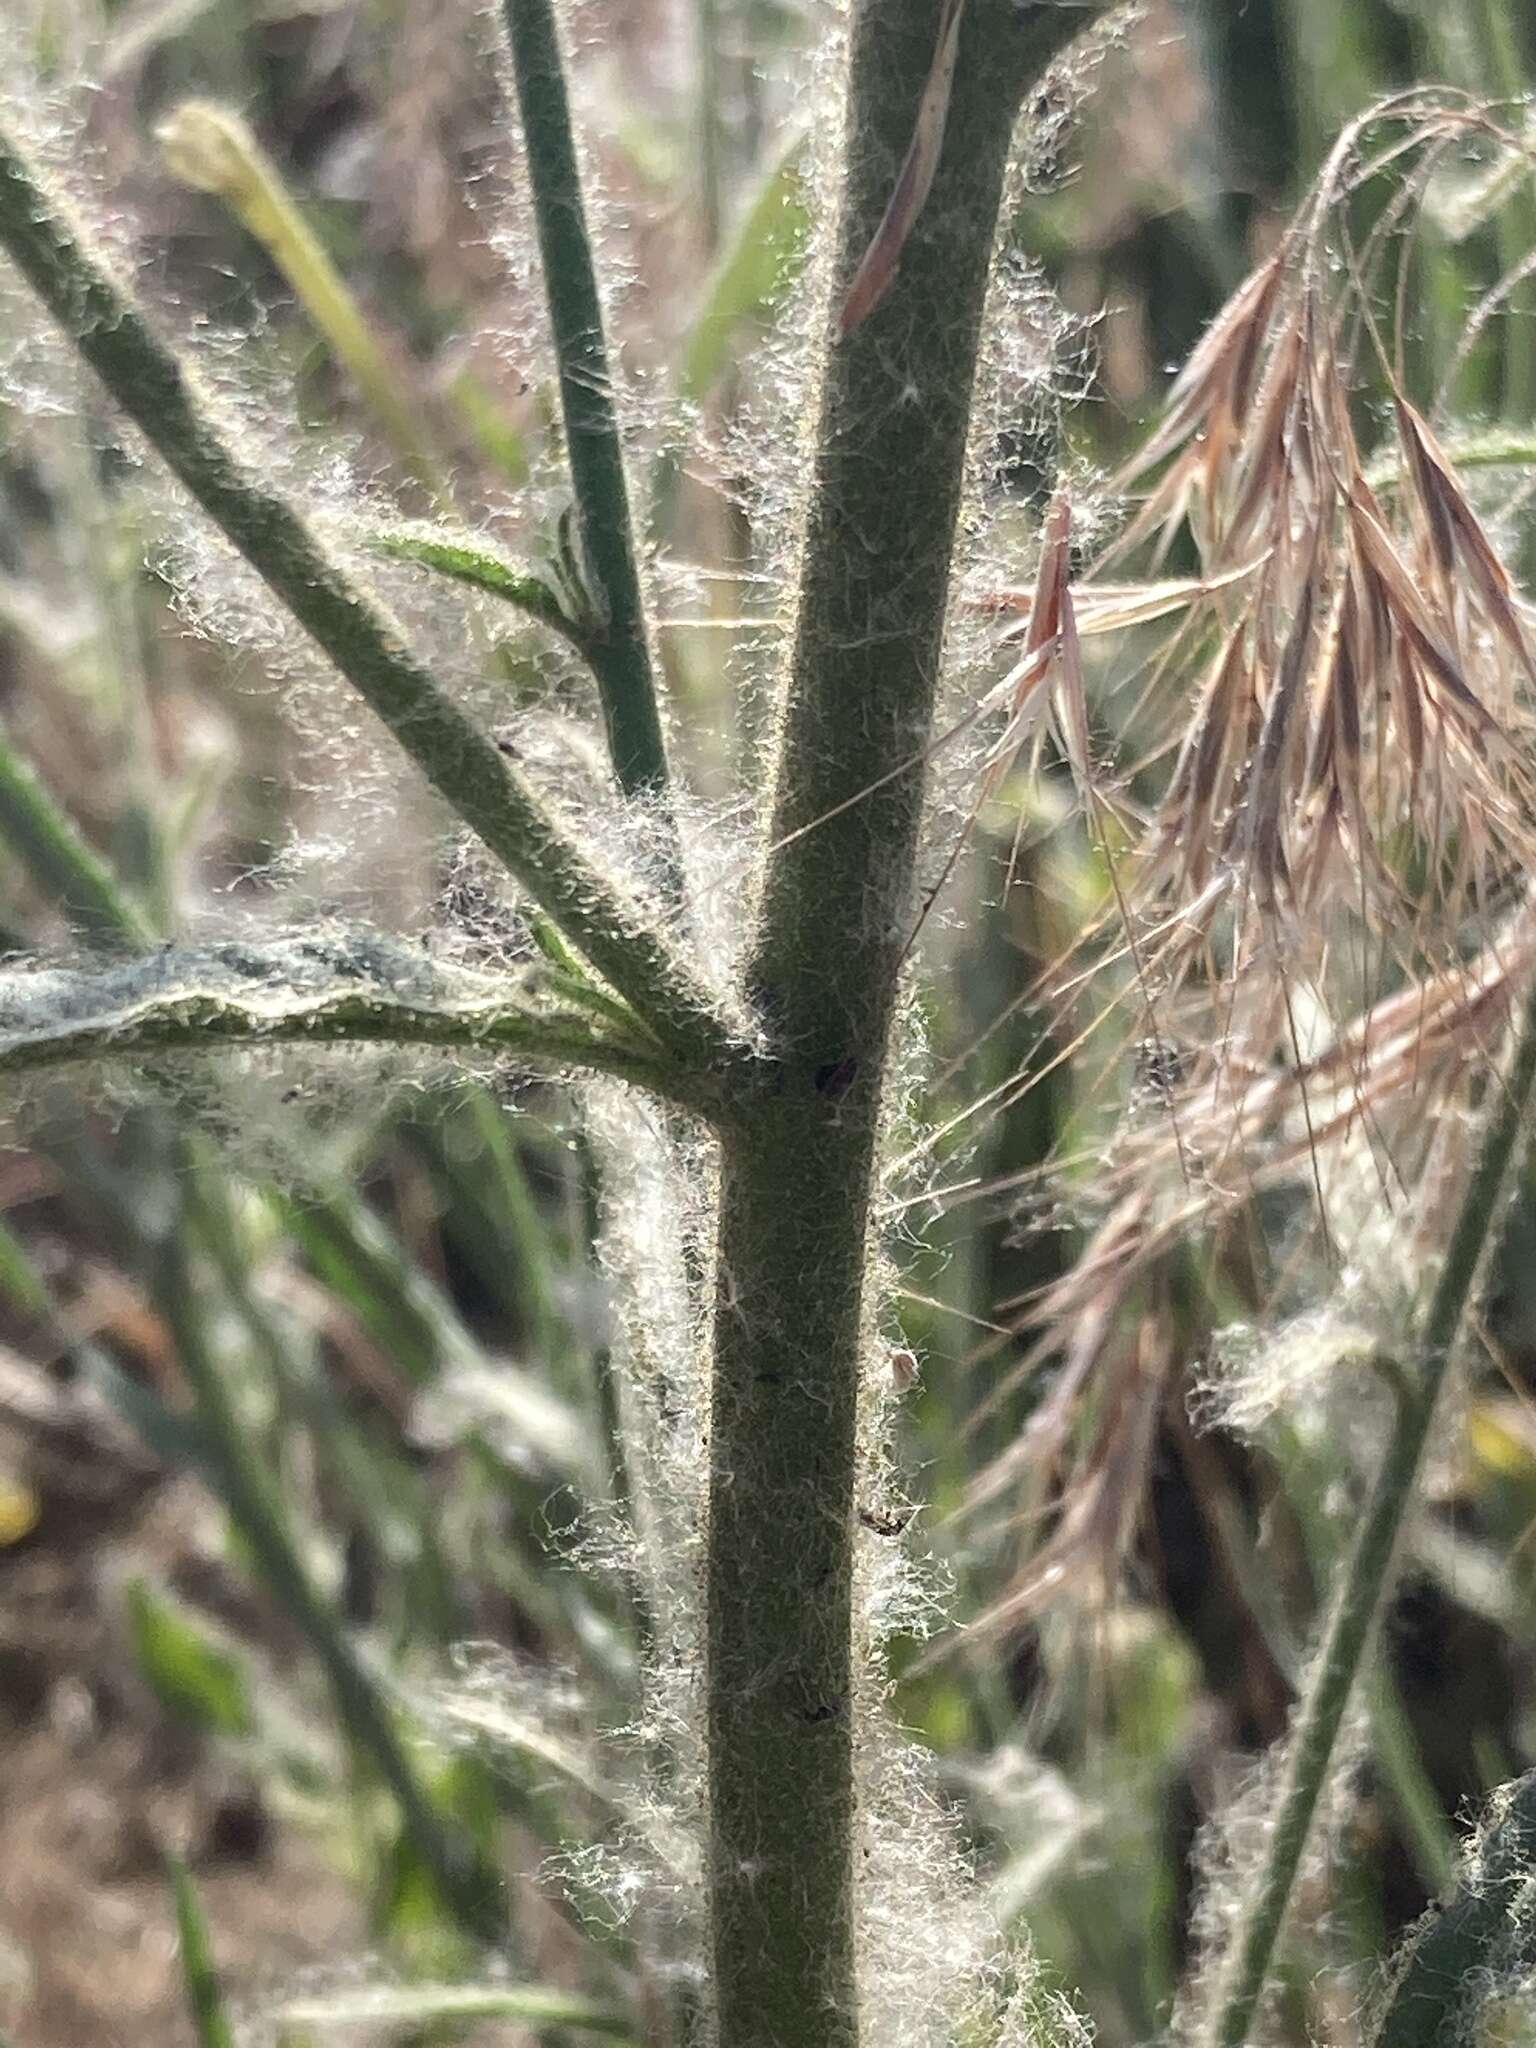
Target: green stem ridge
(837, 903)
(352, 989)
(462, 762)
(1368, 1570)
(1482, 1932)
(619, 648)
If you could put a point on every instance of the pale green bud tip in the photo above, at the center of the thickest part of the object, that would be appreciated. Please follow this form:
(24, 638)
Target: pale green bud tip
(209, 147)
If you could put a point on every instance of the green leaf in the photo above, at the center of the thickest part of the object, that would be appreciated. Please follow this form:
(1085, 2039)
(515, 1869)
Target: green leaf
(191, 1678)
(19, 1282)
(204, 1997)
(753, 276)
(409, 1904)
(755, 273)
(485, 571)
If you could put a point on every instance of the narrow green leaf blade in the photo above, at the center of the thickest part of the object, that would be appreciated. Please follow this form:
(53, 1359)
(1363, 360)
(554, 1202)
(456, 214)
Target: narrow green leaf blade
(755, 272)
(481, 570)
(191, 1677)
(422, 2005)
(204, 1996)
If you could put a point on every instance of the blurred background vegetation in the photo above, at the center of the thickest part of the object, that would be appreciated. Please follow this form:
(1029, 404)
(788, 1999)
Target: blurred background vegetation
(304, 1403)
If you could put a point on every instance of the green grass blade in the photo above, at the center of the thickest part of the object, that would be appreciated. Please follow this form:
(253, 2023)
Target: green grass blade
(427, 2005)
(205, 1999)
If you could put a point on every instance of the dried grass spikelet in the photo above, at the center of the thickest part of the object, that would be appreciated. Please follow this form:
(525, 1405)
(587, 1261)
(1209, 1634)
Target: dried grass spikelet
(1326, 834)
(1360, 735)
(1070, 1498)
(1388, 1089)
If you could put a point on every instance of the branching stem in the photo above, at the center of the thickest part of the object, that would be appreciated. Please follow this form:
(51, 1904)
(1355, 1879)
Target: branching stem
(357, 989)
(462, 762)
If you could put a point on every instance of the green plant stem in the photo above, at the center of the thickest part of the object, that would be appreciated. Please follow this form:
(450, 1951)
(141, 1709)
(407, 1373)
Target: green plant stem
(205, 2000)
(1408, 1786)
(523, 1233)
(243, 997)
(837, 902)
(619, 648)
(707, 122)
(431, 2008)
(461, 761)
(470, 1887)
(1496, 448)
(1347, 1635)
(1515, 222)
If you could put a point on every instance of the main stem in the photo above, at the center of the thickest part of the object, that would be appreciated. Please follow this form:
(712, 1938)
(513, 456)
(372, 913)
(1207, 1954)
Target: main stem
(1368, 1570)
(837, 905)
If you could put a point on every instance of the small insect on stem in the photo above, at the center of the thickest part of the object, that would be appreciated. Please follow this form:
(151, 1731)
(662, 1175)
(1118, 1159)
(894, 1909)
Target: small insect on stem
(904, 1369)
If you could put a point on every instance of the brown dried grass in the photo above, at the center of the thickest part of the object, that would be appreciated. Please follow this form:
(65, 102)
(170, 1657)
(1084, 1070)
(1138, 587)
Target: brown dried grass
(1348, 780)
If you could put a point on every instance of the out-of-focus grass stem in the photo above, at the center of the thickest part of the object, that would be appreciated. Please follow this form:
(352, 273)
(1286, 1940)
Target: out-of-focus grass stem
(470, 1888)
(707, 124)
(1504, 74)
(51, 846)
(211, 148)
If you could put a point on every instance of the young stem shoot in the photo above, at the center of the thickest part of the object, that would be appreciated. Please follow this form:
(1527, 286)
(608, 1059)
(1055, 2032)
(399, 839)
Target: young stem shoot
(619, 649)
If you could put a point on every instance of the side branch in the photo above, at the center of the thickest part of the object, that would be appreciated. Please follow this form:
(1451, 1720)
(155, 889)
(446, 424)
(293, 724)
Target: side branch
(149, 382)
(357, 988)
(618, 650)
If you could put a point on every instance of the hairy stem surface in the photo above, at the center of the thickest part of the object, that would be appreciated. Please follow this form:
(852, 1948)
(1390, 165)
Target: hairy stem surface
(1480, 1938)
(1367, 1572)
(358, 988)
(837, 905)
